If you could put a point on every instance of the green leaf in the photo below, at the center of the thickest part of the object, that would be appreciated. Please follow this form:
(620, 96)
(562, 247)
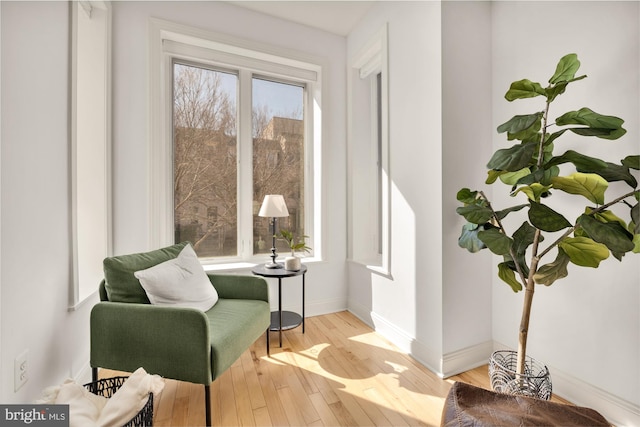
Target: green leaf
(607, 127)
(635, 217)
(497, 242)
(582, 163)
(606, 216)
(558, 89)
(615, 172)
(466, 196)
(511, 178)
(556, 270)
(469, 238)
(589, 185)
(632, 162)
(508, 276)
(503, 213)
(566, 69)
(493, 175)
(524, 89)
(636, 242)
(533, 191)
(521, 127)
(475, 214)
(611, 234)
(522, 239)
(519, 123)
(583, 251)
(512, 159)
(545, 218)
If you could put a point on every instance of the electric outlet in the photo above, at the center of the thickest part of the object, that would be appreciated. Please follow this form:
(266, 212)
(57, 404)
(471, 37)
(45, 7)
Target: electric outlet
(20, 370)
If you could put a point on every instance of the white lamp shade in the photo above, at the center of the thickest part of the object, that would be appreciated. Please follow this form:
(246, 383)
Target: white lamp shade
(273, 205)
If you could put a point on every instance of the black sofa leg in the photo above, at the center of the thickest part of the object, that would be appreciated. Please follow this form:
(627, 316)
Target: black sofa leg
(94, 374)
(207, 404)
(268, 344)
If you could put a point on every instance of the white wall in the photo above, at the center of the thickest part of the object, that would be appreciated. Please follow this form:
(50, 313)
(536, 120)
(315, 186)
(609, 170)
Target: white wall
(446, 306)
(35, 202)
(326, 288)
(587, 325)
(467, 132)
(407, 307)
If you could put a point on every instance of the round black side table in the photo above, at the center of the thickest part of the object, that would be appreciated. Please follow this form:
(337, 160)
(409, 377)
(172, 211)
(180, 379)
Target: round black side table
(283, 320)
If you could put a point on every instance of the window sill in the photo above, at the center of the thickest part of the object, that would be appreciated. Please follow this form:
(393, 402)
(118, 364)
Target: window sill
(242, 266)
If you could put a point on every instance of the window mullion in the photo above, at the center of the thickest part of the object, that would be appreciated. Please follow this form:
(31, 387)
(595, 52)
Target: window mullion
(245, 169)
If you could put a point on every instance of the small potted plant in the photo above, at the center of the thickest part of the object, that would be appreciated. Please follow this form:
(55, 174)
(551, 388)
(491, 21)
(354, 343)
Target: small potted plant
(293, 262)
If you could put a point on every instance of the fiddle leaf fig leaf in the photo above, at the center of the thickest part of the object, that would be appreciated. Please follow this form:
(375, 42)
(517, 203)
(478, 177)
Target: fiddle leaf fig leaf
(522, 239)
(503, 213)
(545, 218)
(512, 159)
(615, 172)
(607, 127)
(511, 178)
(635, 217)
(611, 234)
(469, 238)
(509, 277)
(466, 196)
(636, 242)
(493, 175)
(533, 191)
(589, 185)
(524, 89)
(475, 214)
(582, 163)
(521, 127)
(549, 273)
(583, 251)
(497, 242)
(566, 69)
(607, 216)
(632, 162)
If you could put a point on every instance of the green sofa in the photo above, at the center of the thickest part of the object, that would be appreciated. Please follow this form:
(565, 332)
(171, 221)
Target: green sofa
(185, 344)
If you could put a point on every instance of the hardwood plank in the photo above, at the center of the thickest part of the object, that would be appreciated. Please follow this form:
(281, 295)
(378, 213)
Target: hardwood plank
(338, 373)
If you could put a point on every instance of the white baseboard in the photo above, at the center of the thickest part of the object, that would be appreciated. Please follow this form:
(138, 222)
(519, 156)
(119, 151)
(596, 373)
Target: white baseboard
(466, 359)
(406, 343)
(616, 410)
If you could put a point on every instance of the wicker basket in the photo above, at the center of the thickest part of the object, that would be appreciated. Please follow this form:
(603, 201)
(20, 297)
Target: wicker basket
(108, 386)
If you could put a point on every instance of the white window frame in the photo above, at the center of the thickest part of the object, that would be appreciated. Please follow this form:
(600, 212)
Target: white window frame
(90, 134)
(369, 217)
(169, 41)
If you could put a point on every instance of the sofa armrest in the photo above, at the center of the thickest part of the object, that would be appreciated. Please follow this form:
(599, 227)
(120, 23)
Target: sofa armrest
(168, 341)
(233, 286)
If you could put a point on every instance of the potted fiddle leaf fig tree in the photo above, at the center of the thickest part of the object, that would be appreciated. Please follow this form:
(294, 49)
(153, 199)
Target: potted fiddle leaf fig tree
(538, 242)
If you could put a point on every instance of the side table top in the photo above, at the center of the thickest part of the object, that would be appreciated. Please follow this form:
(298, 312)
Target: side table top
(261, 270)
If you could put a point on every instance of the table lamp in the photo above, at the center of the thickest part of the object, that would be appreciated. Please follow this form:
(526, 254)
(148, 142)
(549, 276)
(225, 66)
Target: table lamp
(273, 206)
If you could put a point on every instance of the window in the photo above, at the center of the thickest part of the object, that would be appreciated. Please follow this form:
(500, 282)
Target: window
(229, 125)
(369, 205)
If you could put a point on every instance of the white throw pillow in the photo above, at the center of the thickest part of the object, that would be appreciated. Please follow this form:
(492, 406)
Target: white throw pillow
(179, 282)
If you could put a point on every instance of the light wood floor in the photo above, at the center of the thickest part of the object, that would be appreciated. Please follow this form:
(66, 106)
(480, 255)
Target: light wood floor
(338, 373)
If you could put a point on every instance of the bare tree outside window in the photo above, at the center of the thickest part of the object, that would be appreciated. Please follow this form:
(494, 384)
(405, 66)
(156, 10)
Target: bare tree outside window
(278, 157)
(205, 167)
(205, 158)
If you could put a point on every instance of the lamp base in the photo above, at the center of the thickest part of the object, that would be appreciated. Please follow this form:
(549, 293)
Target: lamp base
(272, 265)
